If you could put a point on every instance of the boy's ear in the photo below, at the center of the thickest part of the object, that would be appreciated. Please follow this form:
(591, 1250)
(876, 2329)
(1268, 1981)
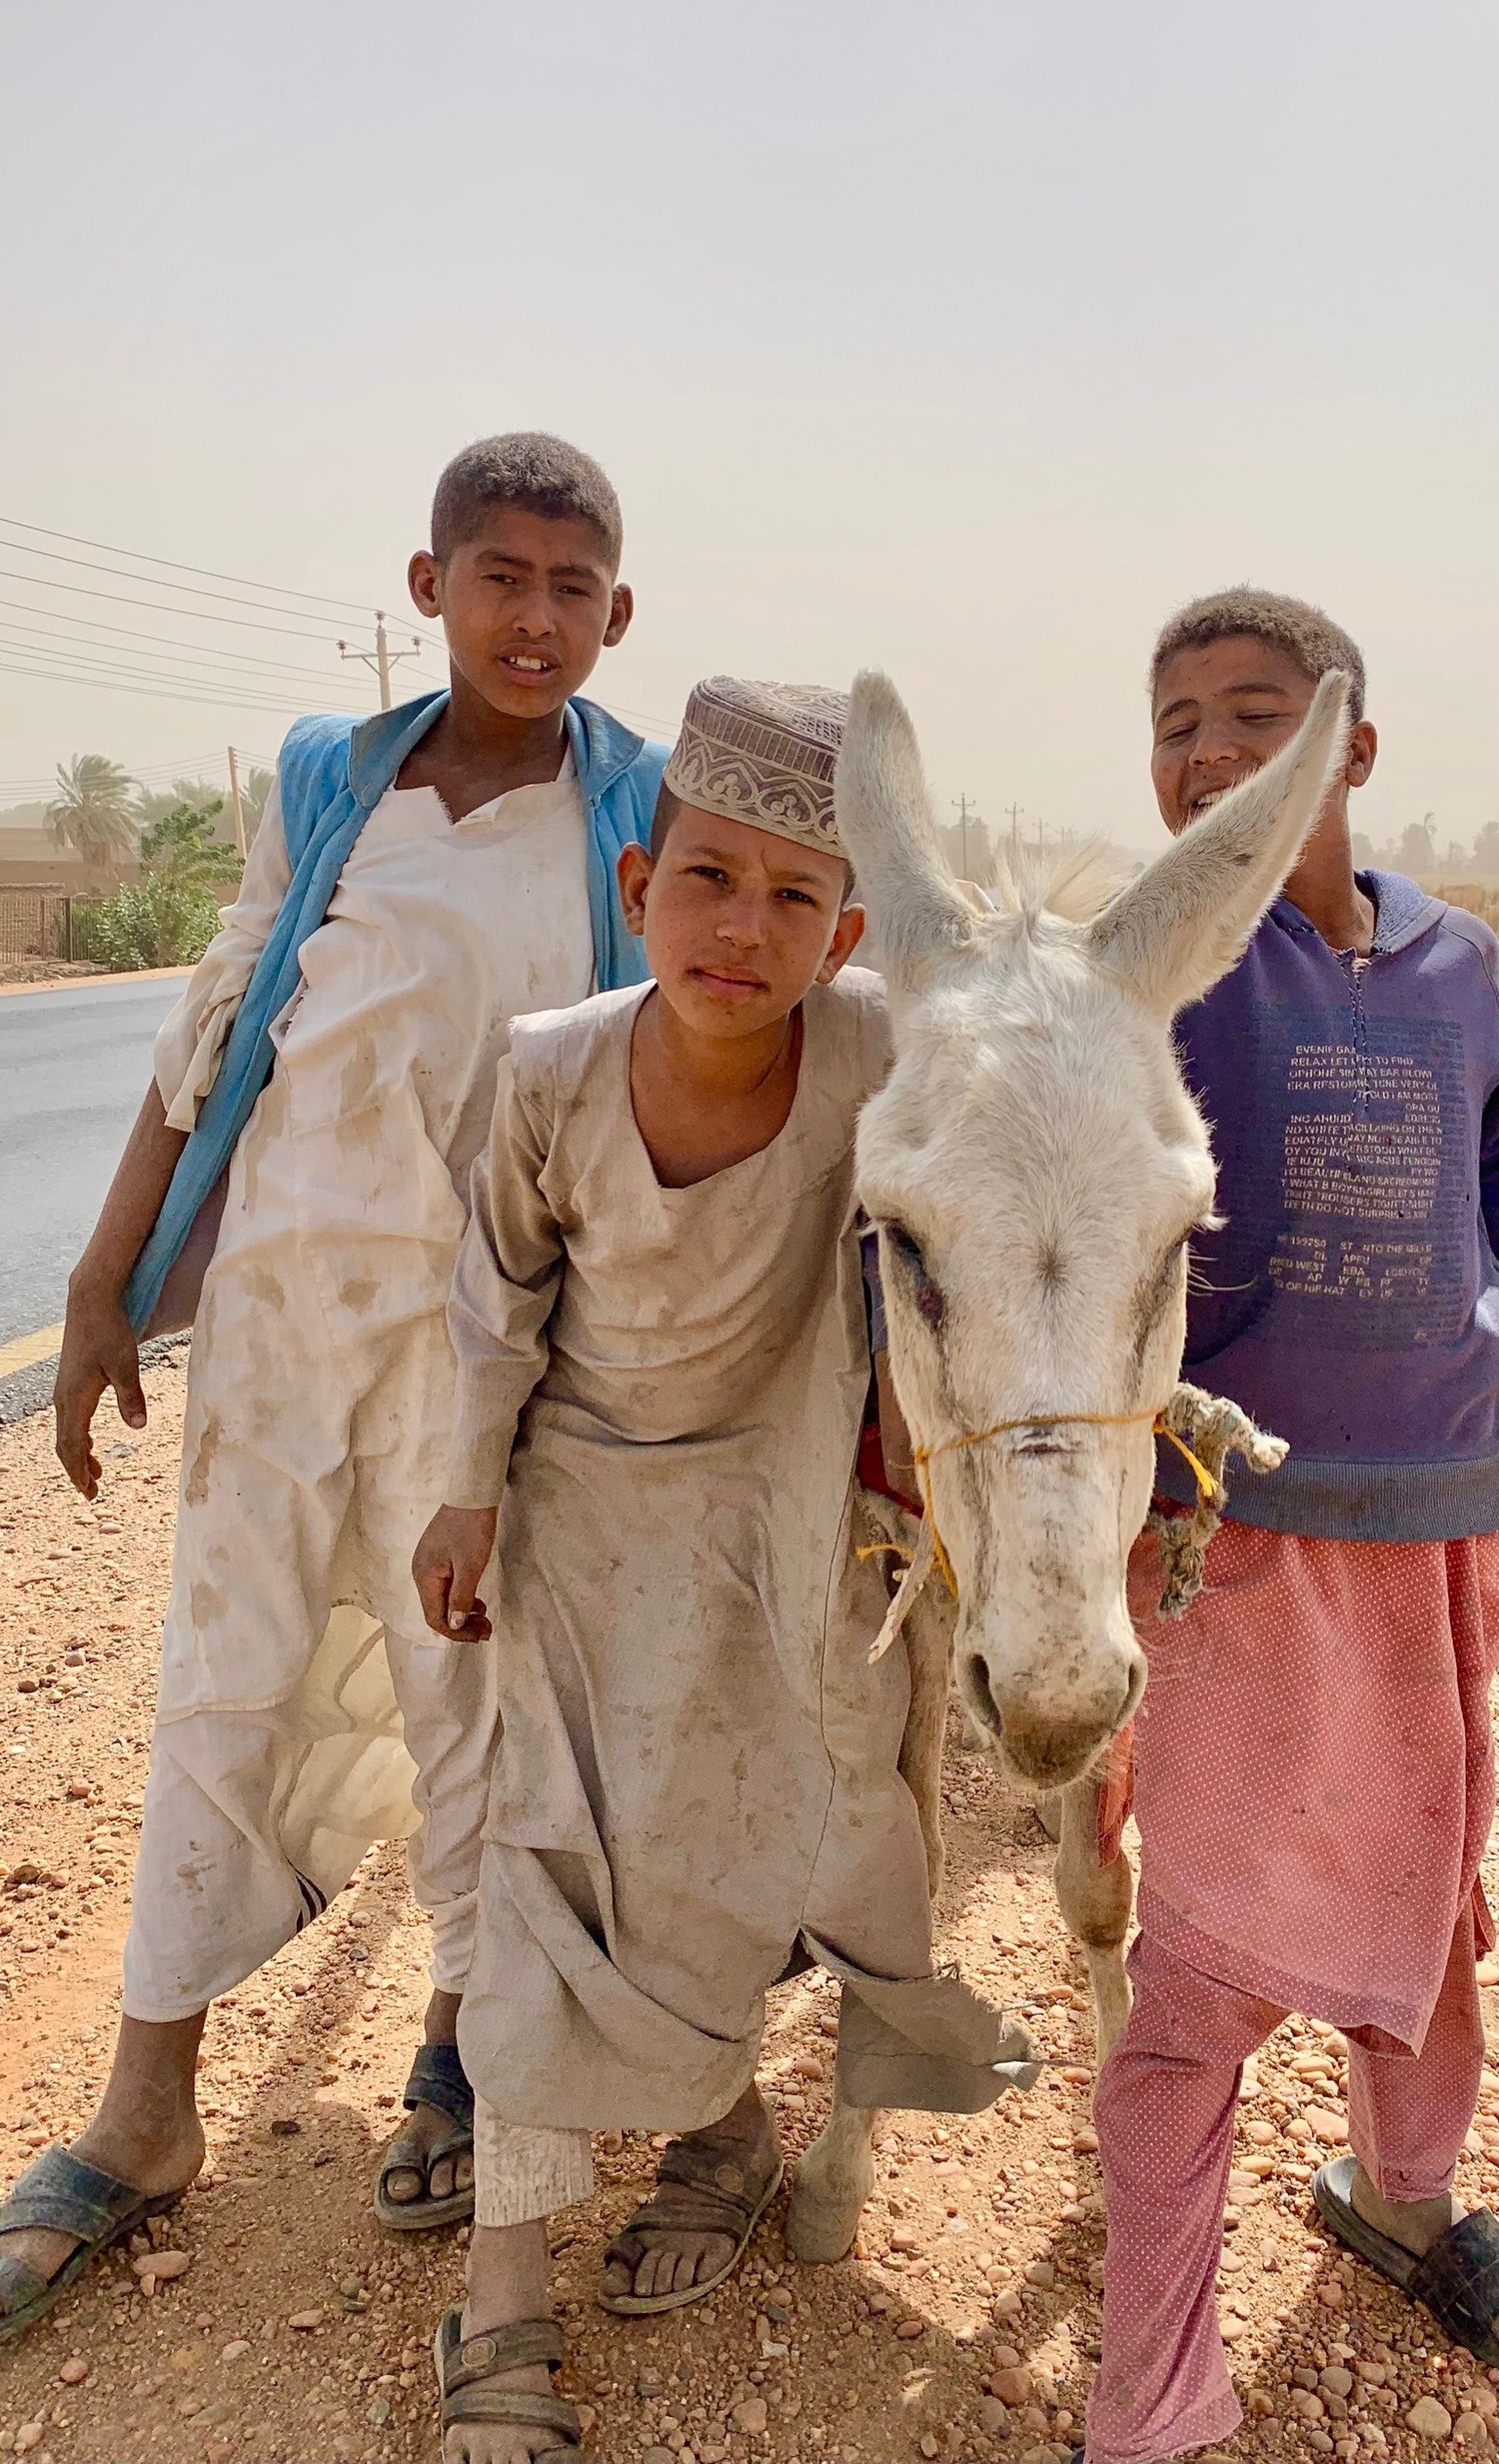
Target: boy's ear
(848, 934)
(424, 581)
(632, 873)
(1173, 933)
(1363, 745)
(621, 610)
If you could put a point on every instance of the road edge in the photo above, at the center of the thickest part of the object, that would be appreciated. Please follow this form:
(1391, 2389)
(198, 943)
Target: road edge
(73, 983)
(29, 1390)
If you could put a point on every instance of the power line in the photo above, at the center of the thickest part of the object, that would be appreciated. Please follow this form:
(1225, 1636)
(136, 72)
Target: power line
(181, 765)
(381, 658)
(108, 656)
(141, 663)
(141, 556)
(118, 598)
(87, 565)
(217, 700)
(167, 640)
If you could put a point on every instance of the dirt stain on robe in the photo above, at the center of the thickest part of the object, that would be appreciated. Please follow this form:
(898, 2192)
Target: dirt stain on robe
(209, 1605)
(203, 1460)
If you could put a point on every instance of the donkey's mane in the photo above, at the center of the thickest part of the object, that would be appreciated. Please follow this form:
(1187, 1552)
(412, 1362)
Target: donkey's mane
(1073, 882)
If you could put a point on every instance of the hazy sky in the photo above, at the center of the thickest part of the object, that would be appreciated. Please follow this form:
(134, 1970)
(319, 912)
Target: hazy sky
(958, 337)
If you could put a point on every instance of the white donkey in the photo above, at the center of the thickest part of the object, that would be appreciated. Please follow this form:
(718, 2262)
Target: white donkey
(1037, 1168)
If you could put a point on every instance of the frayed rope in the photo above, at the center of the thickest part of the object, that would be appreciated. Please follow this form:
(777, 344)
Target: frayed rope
(1204, 1428)
(1216, 1429)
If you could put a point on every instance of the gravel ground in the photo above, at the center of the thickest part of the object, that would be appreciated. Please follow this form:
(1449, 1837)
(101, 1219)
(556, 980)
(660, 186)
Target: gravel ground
(285, 2327)
(27, 1390)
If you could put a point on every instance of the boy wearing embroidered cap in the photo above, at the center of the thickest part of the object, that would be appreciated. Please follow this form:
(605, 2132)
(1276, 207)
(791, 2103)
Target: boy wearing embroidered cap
(663, 1355)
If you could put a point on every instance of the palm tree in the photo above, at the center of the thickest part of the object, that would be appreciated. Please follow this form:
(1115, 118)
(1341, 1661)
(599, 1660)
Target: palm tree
(154, 804)
(93, 813)
(255, 792)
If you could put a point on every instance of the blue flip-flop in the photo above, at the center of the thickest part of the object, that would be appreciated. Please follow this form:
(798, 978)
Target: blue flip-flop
(59, 2193)
(438, 2078)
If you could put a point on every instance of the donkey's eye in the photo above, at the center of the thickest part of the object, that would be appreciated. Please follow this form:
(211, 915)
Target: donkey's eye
(908, 1250)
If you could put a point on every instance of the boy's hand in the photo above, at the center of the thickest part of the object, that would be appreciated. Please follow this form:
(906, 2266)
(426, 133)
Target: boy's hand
(451, 1556)
(98, 1350)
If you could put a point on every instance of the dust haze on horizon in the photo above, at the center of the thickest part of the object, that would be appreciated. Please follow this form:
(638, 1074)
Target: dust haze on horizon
(965, 341)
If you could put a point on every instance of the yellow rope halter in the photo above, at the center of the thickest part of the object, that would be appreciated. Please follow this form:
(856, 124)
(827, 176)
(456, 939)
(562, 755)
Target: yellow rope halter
(923, 1455)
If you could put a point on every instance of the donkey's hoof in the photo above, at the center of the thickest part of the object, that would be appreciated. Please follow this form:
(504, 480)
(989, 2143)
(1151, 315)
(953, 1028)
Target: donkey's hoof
(1049, 1812)
(817, 2231)
(828, 2194)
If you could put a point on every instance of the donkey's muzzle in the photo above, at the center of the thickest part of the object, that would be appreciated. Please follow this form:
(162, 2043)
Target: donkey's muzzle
(1042, 1747)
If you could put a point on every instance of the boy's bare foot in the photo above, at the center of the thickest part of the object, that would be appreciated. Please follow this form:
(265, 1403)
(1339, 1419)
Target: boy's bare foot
(737, 2160)
(507, 2280)
(426, 2126)
(1416, 2224)
(146, 2131)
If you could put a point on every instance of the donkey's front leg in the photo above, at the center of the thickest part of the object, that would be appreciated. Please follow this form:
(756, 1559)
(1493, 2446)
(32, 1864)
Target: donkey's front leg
(1095, 1902)
(833, 2183)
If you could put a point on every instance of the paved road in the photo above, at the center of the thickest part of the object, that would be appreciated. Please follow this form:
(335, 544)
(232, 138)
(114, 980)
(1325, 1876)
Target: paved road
(73, 1070)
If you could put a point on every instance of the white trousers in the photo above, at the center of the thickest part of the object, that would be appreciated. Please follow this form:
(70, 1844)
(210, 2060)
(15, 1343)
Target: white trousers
(521, 2174)
(250, 1827)
(298, 1722)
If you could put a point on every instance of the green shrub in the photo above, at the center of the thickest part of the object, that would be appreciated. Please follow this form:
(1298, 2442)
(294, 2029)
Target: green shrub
(182, 846)
(158, 921)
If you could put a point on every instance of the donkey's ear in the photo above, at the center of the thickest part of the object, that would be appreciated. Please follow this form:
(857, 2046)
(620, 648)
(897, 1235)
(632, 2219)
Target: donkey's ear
(885, 822)
(1173, 933)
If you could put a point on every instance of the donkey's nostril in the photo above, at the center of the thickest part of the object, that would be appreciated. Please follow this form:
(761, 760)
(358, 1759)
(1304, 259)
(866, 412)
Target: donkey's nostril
(1134, 1687)
(980, 1695)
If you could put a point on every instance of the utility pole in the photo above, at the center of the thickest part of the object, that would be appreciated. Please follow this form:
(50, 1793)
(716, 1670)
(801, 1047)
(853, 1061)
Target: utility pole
(235, 806)
(381, 658)
(1015, 812)
(962, 804)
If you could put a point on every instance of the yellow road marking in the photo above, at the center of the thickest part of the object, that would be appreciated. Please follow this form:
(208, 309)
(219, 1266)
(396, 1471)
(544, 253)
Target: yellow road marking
(45, 1345)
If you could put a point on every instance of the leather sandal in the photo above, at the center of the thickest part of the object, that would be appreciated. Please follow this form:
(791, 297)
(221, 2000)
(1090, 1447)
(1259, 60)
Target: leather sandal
(467, 2366)
(62, 2194)
(438, 2079)
(1457, 2279)
(703, 2185)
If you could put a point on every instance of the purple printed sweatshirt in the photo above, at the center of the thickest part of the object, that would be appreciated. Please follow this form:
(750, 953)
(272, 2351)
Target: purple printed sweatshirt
(1351, 1302)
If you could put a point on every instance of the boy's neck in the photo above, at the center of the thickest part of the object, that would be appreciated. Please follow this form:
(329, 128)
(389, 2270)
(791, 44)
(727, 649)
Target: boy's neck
(1324, 889)
(722, 1067)
(474, 753)
(705, 1103)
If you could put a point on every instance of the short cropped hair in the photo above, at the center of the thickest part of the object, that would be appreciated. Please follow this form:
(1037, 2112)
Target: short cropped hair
(1308, 636)
(543, 474)
(668, 805)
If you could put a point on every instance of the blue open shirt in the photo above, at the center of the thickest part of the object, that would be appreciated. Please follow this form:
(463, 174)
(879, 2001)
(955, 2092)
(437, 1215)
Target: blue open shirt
(332, 774)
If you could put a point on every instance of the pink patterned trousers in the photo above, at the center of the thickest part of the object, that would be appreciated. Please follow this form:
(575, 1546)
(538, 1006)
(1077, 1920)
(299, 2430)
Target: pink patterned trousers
(1164, 2112)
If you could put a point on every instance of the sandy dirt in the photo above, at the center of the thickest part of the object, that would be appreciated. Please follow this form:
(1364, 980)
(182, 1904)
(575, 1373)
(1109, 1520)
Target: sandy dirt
(965, 2325)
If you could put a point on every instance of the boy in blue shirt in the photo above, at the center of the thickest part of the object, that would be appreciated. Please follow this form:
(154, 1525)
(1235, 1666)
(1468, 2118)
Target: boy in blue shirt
(328, 1078)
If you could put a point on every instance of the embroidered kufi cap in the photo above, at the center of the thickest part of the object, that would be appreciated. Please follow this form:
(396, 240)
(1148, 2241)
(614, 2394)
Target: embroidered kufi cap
(762, 753)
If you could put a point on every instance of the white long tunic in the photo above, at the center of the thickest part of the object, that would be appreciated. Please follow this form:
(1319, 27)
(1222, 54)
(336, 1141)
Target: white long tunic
(697, 1762)
(320, 1383)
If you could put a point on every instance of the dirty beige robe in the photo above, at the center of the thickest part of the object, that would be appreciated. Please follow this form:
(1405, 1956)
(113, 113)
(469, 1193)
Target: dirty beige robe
(304, 1710)
(662, 1389)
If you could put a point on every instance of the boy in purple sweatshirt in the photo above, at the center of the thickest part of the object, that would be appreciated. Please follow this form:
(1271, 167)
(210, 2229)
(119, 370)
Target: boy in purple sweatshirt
(1314, 1775)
